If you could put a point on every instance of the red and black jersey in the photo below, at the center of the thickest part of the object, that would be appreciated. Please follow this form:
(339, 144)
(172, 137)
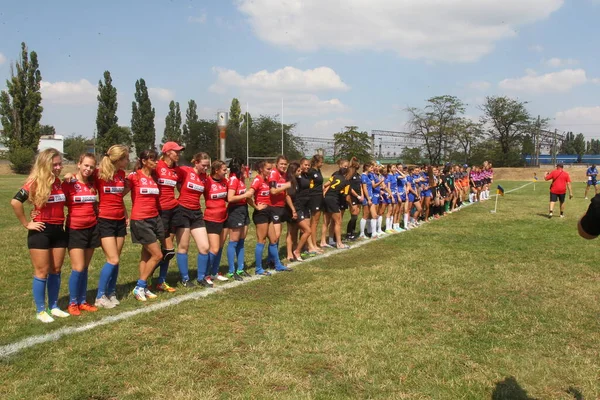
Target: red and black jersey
(110, 196)
(53, 211)
(276, 180)
(192, 187)
(166, 179)
(262, 193)
(240, 188)
(144, 196)
(215, 196)
(81, 203)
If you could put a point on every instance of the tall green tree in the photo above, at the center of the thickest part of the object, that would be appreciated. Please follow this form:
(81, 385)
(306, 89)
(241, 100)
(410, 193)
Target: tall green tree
(142, 119)
(527, 147)
(235, 144)
(118, 135)
(579, 146)
(467, 133)
(265, 138)
(411, 155)
(353, 143)
(106, 116)
(568, 145)
(191, 116)
(74, 146)
(21, 110)
(172, 131)
(47, 130)
(202, 136)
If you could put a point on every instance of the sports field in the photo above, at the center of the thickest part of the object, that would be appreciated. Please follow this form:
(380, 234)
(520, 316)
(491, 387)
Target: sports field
(475, 305)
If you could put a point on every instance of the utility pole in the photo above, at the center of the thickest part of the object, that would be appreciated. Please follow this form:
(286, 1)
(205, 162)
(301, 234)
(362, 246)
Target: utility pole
(536, 142)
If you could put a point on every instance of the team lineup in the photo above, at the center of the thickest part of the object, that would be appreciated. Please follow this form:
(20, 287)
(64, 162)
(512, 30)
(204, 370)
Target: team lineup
(167, 213)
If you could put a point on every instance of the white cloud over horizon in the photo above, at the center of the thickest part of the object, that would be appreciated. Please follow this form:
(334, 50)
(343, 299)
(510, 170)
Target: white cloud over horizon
(532, 82)
(2, 58)
(71, 93)
(479, 85)
(454, 31)
(556, 62)
(584, 120)
(161, 94)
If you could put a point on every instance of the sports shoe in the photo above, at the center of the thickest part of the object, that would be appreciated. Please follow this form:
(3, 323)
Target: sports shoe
(265, 273)
(73, 309)
(562, 215)
(139, 293)
(220, 277)
(208, 279)
(390, 231)
(374, 236)
(149, 294)
(398, 229)
(586, 198)
(549, 215)
(104, 302)
(235, 277)
(187, 284)
(164, 287)
(362, 237)
(113, 299)
(205, 284)
(284, 269)
(87, 307)
(243, 273)
(57, 312)
(44, 317)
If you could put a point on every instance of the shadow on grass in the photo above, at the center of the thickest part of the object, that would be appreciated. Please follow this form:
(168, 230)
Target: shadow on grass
(509, 389)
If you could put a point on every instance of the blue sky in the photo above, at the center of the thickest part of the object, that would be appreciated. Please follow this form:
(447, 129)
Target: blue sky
(334, 63)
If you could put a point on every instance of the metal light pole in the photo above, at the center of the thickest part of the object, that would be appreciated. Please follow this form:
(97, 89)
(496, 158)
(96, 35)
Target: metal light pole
(222, 120)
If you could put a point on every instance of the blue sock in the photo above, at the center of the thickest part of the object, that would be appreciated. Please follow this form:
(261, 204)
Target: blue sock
(39, 294)
(105, 276)
(53, 287)
(241, 254)
(274, 253)
(182, 264)
(83, 280)
(217, 262)
(112, 283)
(258, 253)
(141, 283)
(211, 261)
(74, 286)
(202, 261)
(231, 250)
(162, 273)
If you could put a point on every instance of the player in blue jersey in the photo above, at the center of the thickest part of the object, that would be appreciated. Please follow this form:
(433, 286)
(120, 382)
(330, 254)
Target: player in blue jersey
(591, 174)
(414, 199)
(392, 190)
(369, 219)
(402, 199)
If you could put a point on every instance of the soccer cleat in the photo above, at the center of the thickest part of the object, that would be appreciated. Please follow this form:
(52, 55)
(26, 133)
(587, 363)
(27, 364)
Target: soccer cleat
(586, 197)
(57, 312)
(205, 284)
(186, 284)
(390, 231)
(164, 287)
(220, 277)
(73, 309)
(44, 317)
(549, 215)
(113, 299)
(264, 273)
(562, 215)
(139, 293)
(243, 273)
(149, 294)
(362, 237)
(87, 307)
(209, 280)
(104, 302)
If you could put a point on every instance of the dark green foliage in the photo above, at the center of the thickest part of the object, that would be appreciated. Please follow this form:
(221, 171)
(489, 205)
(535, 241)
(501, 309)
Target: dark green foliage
(21, 159)
(236, 138)
(106, 116)
(47, 130)
(352, 143)
(265, 139)
(173, 124)
(142, 119)
(411, 155)
(593, 146)
(75, 146)
(201, 136)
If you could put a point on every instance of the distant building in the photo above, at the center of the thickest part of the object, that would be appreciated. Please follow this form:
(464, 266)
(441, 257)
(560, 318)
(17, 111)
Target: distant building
(52, 141)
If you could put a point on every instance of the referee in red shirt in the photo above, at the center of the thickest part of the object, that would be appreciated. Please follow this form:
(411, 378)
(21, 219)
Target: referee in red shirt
(560, 182)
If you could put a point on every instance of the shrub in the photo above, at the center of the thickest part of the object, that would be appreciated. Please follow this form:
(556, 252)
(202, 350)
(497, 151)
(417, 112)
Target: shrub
(21, 160)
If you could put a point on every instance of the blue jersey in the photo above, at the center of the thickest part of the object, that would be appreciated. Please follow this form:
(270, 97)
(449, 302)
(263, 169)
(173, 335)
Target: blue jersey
(401, 184)
(364, 178)
(592, 172)
(376, 179)
(392, 179)
(415, 181)
(424, 181)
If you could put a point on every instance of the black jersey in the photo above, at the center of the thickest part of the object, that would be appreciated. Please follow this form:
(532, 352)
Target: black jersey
(316, 182)
(355, 183)
(339, 185)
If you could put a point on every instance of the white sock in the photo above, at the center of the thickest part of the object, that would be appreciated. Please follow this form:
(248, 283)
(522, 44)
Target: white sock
(405, 219)
(379, 221)
(373, 226)
(363, 224)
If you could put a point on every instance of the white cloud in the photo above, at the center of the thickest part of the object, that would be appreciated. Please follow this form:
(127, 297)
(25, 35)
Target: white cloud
(536, 48)
(479, 85)
(579, 119)
(556, 62)
(2, 58)
(197, 20)
(451, 30)
(161, 94)
(561, 81)
(282, 80)
(76, 92)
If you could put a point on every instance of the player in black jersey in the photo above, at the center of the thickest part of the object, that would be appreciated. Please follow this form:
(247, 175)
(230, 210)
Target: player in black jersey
(298, 203)
(356, 197)
(316, 197)
(338, 185)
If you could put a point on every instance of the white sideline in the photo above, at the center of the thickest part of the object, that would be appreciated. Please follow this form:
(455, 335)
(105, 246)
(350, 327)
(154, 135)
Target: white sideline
(13, 348)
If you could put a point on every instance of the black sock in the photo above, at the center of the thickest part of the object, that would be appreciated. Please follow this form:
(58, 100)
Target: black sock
(351, 225)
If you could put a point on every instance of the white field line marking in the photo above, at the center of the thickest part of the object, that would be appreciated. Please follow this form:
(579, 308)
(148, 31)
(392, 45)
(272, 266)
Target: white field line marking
(13, 348)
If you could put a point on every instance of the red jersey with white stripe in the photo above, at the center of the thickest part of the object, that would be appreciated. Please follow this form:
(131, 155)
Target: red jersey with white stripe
(215, 196)
(144, 196)
(276, 180)
(166, 179)
(240, 188)
(81, 203)
(192, 187)
(110, 196)
(262, 194)
(53, 211)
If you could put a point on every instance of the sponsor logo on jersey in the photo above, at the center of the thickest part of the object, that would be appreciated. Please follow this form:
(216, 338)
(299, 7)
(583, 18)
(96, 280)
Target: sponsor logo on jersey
(149, 191)
(263, 193)
(216, 196)
(113, 189)
(167, 182)
(57, 198)
(84, 199)
(195, 187)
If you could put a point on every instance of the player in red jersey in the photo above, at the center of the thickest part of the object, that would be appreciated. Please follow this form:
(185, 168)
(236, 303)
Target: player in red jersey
(279, 214)
(46, 238)
(82, 230)
(112, 220)
(238, 219)
(146, 224)
(192, 183)
(261, 215)
(166, 178)
(215, 215)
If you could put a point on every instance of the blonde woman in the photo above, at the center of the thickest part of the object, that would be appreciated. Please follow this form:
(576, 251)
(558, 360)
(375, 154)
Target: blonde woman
(46, 239)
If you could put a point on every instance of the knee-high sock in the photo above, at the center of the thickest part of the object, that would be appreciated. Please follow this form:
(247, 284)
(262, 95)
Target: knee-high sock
(39, 294)
(202, 260)
(241, 254)
(53, 287)
(184, 269)
(216, 262)
(351, 225)
(274, 255)
(379, 220)
(405, 219)
(373, 226)
(112, 283)
(231, 250)
(83, 283)
(163, 270)
(74, 280)
(258, 254)
(211, 261)
(105, 275)
(363, 225)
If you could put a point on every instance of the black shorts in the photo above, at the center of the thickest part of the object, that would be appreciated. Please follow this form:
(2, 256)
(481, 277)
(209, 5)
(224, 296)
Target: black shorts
(302, 211)
(343, 203)
(52, 237)
(214, 227)
(557, 197)
(87, 238)
(332, 204)
(261, 216)
(279, 215)
(171, 219)
(355, 201)
(237, 217)
(112, 227)
(190, 218)
(316, 204)
(147, 231)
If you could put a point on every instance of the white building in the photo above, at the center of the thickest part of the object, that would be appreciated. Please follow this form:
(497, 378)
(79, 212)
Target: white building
(52, 141)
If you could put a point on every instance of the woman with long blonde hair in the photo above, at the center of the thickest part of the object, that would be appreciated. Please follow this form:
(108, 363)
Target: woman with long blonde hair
(46, 238)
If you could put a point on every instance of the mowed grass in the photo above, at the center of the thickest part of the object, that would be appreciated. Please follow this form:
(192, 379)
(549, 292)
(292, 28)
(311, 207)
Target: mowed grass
(473, 306)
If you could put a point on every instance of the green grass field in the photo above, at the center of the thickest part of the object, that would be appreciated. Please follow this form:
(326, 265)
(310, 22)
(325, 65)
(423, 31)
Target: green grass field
(476, 305)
